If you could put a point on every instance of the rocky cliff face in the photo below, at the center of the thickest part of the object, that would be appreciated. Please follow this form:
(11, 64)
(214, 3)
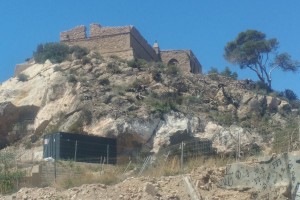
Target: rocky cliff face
(149, 106)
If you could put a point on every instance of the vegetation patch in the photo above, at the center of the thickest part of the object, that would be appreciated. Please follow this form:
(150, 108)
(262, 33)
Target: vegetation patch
(9, 173)
(137, 63)
(57, 52)
(22, 77)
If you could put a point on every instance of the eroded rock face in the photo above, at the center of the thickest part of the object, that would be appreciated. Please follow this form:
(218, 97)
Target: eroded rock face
(110, 98)
(174, 128)
(225, 140)
(11, 115)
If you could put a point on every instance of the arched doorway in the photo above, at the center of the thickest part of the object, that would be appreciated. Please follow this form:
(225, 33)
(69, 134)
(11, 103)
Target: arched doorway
(173, 61)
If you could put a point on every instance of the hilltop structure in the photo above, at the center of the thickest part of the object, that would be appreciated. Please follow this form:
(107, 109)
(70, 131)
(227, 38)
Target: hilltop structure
(126, 42)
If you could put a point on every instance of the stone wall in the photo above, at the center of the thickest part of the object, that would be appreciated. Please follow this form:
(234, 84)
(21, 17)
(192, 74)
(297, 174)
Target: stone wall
(185, 58)
(97, 31)
(141, 48)
(105, 45)
(127, 43)
(196, 67)
(76, 33)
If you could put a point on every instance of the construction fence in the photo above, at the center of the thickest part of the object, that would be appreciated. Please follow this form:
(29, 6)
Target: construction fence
(174, 159)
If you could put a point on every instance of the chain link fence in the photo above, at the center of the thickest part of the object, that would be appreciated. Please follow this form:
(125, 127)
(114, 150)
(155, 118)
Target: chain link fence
(175, 159)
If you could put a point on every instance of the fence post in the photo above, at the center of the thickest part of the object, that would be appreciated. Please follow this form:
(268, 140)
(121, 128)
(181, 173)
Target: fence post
(299, 128)
(181, 158)
(55, 160)
(16, 162)
(107, 153)
(239, 147)
(75, 154)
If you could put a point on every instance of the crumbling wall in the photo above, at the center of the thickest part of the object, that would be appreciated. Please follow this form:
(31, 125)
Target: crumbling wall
(77, 33)
(270, 177)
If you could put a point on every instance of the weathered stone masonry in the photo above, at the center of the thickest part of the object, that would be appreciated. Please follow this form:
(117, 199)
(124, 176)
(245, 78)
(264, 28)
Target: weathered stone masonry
(127, 43)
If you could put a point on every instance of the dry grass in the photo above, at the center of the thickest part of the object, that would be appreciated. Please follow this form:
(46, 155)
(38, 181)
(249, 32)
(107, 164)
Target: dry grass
(67, 181)
(83, 173)
(172, 166)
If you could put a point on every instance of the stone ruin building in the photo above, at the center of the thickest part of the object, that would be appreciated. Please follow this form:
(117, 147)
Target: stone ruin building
(126, 42)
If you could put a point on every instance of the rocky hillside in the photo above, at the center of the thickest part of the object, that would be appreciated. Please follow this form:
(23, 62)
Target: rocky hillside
(143, 105)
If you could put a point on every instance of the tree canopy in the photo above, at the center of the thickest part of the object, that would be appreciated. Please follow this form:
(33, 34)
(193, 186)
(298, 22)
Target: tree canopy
(251, 49)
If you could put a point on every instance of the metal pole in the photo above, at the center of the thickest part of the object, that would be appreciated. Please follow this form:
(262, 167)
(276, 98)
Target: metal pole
(55, 160)
(239, 146)
(107, 153)
(181, 159)
(16, 160)
(127, 167)
(75, 154)
(299, 127)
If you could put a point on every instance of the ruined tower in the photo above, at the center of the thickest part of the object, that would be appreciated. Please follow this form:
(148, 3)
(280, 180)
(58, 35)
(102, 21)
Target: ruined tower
(126, 42)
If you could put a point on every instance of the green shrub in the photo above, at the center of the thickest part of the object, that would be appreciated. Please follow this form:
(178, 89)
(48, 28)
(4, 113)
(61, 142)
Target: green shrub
(22, 77)
(295, 104)
(288, 94)
(104, 81)
(164, 103)
(159, 65)
(223, 118)
(213, 74)
(156, 75)
(138, 82)
(113, 68)
(228, 73)
(163, 107)
(9, 174)
(88, 116)
(85, 60)
(78, 52)
(137, 63)
(259, 85)
(55, 52)
(72, 78)
(96, 55)
(117, 58)
(57, 68)
(173, 70)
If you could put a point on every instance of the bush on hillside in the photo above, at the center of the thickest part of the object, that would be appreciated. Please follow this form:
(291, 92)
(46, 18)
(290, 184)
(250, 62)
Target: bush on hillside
(22, 77)
(57, 52)
(213, 73)
(288, 94)
(78, 52)
(228, 73)
(137, 63)
(9, 174)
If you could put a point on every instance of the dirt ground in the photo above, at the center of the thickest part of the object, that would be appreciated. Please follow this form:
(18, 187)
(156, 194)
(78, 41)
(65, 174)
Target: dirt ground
(204, 182)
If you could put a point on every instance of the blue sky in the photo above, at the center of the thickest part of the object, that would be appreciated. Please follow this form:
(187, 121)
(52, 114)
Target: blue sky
(205, 26)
